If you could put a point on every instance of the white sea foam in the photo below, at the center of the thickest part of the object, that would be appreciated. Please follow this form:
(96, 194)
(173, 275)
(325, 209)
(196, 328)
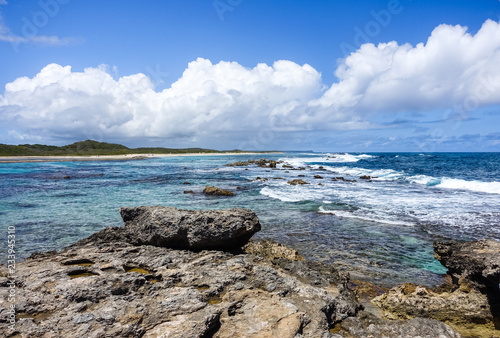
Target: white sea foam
(397, 198)
(455, 183)
(391, 175)
(345, 158)
(280, 195)
(327, 158)
(393, 203)
(380, 174)
(443, 182)
(424, 179)
(293, 193)
(364, 217)
(487, 187)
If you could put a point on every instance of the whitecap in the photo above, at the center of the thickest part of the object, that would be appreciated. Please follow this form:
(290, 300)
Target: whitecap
(292, 194)
(379, 174)
(327, 158)
(479, 186)
(455, 183)
(364, 217)
(424, 180)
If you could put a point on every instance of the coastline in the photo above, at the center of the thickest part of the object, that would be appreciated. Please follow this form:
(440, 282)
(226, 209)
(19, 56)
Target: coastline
(144, 283)
(125, 157)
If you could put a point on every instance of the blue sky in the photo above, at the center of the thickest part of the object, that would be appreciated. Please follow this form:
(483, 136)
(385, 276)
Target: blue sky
(291, 75)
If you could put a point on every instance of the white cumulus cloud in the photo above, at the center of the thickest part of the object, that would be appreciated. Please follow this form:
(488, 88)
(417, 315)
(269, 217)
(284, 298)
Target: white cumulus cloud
(207, 98)
(452, 70)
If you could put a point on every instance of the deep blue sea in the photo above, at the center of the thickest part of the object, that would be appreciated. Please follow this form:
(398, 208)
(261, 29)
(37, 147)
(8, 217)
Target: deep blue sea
(380, 230)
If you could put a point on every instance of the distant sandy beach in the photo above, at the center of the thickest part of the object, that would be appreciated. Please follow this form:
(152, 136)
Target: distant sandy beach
(127, 157)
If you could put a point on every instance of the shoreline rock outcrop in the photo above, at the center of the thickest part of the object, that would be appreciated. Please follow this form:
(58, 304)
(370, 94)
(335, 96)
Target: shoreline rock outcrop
(470, 297)
(124, 282)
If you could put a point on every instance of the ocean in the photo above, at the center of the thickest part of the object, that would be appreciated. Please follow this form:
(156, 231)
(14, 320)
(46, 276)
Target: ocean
(379, 229)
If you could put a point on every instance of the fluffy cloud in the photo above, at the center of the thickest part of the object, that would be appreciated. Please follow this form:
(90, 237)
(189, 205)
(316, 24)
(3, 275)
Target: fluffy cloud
(207, 98)
(453, 69)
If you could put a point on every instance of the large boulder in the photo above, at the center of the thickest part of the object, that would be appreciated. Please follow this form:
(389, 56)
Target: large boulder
(190, 229)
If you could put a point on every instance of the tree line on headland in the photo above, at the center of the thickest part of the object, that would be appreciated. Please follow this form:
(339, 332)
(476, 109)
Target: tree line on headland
(90, 147)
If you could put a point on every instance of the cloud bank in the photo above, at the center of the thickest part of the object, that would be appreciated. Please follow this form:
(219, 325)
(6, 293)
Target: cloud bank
(452, 70)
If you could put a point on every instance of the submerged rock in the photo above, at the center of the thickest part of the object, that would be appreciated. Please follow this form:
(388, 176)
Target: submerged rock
(367, 325)
(190, 229)
(271, 250)
(209, 190)
(297, 181)
(261, 163)
(238, 164)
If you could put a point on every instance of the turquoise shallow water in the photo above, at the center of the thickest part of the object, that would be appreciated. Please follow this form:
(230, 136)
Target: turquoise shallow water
(380, 230)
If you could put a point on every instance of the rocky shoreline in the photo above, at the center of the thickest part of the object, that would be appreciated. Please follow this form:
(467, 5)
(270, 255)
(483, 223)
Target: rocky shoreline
(183, 273)
(468, 300)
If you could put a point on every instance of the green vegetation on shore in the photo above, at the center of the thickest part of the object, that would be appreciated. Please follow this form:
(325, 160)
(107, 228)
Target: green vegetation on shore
(89, 147)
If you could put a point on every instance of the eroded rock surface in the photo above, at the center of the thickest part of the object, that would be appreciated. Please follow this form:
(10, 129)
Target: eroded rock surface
(124, 282)
(470, 299)
(477, 263)
(190, 229)
(110, 287)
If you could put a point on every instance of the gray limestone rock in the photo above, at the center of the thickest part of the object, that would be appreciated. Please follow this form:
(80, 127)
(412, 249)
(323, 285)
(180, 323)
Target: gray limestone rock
(470, 297)
(129, 282)
(118, 289)
(190, 229)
